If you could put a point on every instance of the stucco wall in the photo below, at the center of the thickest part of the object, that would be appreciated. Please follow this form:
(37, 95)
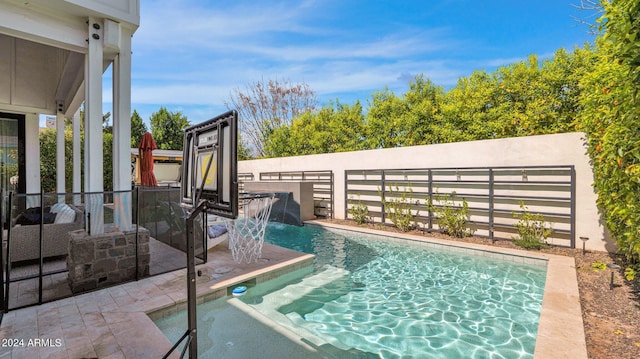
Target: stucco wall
(559, 149)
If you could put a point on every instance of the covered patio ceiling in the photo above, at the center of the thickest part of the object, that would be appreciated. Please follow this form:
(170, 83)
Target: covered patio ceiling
(53, 54)
(39, 78)
(43, 44)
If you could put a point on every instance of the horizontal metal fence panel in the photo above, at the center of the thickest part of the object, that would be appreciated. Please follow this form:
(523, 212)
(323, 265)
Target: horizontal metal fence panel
(494, 196)
(322, 187)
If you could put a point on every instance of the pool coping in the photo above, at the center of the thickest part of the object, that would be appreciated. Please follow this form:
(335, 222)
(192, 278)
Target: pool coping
(561, 329)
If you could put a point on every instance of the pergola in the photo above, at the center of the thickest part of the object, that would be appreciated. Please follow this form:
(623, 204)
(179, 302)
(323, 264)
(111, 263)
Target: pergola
(53, 54)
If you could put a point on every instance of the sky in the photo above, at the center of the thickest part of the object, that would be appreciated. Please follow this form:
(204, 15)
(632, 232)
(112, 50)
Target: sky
(190, 55)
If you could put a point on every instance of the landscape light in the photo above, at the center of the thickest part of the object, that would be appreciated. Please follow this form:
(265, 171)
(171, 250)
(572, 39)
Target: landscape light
(584, 242)
(613, 267)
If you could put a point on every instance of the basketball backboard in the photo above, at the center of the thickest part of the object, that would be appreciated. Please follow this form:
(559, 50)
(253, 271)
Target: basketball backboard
(210, 165)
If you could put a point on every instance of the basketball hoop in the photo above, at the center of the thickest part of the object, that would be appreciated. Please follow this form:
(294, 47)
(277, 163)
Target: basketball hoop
(246, 233)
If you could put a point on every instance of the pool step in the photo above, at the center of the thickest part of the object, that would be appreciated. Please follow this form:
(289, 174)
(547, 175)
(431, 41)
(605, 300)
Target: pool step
(293, 292)
(287, 295)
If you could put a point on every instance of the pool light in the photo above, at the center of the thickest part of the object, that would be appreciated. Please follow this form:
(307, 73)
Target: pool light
(239, 291)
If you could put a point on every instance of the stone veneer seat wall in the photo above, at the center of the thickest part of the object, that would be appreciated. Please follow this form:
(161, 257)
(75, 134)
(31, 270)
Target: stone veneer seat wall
(101, 260)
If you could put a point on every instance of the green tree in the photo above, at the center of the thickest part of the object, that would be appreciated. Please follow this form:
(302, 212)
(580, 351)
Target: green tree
(413, 119)
(138, 128)
(48, 162)
(167, 129)
(107, 166)
(335, 127)
(383, 124)
(562, 74)
(471, 104)
(520, 99)
(422, 122)
(610, 117)
(243, 150)
(107, 153)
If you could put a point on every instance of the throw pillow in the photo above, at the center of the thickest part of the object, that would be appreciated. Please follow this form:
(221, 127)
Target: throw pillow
(65, 215)
(56, 207)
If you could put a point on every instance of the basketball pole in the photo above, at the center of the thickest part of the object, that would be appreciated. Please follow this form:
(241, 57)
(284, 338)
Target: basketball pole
(191, 281)
(215, 132)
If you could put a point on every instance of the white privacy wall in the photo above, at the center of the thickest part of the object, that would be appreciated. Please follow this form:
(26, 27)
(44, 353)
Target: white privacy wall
(558, 149)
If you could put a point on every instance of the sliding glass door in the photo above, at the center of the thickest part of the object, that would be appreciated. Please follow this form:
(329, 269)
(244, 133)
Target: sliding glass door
(12, 162)
(12, 179)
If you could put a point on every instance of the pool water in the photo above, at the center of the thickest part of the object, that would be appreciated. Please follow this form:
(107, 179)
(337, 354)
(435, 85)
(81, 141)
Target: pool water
(387, 298)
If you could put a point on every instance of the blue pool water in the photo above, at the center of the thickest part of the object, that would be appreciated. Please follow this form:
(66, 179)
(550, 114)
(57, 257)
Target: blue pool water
(385, 298)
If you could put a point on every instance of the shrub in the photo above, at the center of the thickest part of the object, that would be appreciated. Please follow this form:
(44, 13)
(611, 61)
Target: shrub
(398, 209)
(533, 230)
(452, 219)
(598, 266)
(630, 273)
(360, 212)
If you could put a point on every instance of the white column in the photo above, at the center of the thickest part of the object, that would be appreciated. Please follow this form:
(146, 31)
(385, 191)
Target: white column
(60, 163)
(32, 158)
(77, 160)
(93, 155)
(122, 132)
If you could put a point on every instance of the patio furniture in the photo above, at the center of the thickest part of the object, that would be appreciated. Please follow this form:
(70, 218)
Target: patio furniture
(216, 234)
(25, 243)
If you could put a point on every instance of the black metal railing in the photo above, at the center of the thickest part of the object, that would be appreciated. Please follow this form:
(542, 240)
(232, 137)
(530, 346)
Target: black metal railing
(493, 194)
(322, 187)
(34, 253)
(186, 336)
(242, 178)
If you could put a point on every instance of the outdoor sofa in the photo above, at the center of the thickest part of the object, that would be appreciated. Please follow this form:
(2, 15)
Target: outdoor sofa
(25, 238)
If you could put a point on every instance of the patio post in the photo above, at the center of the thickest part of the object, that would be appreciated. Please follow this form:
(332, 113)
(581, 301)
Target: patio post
(121, 126)
(77, 173)
(93, 144)
(60, 147)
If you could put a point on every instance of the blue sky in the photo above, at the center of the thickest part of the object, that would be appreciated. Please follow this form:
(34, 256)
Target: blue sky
(189, 55)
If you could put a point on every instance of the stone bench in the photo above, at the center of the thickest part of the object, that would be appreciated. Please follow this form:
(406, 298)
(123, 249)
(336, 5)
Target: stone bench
(102, 260)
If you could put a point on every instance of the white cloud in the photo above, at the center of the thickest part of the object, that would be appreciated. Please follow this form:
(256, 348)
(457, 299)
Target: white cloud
(190, 94)
(199, 56)
(189, 55)
(188, 23)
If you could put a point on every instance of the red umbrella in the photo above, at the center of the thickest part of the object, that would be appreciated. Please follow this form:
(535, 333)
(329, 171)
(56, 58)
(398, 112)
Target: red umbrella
(145, 149)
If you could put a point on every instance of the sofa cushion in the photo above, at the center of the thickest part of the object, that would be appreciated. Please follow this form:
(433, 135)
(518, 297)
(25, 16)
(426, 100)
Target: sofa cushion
(65, 214)
(27, 218)
(37, 210)
(216, 230)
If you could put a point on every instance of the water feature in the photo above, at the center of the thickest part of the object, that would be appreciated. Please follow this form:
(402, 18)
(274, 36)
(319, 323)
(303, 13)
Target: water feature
(285, 209)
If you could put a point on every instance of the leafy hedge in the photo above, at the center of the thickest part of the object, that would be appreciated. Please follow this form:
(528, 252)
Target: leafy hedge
(610, 118)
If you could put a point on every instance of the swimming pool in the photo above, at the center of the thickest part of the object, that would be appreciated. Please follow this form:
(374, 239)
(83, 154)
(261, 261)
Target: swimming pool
(382, 297)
